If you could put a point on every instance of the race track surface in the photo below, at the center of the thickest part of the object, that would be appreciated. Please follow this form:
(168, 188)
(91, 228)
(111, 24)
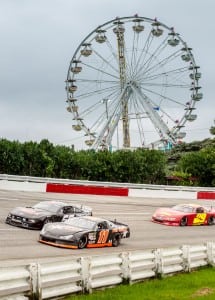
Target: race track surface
(22, 244)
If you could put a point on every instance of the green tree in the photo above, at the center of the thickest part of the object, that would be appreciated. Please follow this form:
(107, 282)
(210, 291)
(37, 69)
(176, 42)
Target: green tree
(212, 130)
(46, 163)
(11, 157)
(31, 156)
(201, 165)
(65, 163)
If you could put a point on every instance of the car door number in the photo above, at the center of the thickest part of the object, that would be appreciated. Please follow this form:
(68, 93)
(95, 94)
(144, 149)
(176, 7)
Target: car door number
(200, 218)
(103, 236)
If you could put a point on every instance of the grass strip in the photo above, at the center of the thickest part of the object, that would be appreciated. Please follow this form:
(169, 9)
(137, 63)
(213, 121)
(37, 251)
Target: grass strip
(199, 284)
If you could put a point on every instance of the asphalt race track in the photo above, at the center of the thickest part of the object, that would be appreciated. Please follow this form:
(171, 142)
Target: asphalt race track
(22, 244)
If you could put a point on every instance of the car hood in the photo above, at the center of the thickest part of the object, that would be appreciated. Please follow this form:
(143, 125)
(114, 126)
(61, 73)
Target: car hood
(60, 229)
(168, 212)
(29, 212)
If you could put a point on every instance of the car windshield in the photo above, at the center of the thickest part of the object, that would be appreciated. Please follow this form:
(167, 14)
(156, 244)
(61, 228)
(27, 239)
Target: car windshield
(52, 207)
(81, 223)
(183, 208)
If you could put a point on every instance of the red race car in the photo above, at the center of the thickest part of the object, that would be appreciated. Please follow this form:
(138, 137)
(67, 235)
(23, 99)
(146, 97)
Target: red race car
(185, 214)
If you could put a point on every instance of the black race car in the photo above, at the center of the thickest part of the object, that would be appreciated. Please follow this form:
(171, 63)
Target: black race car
(81, 232)
(45, 212)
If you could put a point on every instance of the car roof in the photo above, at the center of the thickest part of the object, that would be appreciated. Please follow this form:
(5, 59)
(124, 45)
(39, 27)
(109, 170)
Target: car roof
(60, 203)
(92, 218)
(190, 205)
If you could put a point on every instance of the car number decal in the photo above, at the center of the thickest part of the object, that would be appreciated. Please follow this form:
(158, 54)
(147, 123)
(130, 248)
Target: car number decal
(200, 218)
(103, 236)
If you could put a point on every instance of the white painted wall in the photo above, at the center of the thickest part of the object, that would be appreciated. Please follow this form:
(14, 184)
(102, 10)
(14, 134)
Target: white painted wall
(22, 186)
(151, 193)
(162, 194)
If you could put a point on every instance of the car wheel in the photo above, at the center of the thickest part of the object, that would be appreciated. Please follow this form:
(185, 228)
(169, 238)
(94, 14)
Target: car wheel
(116, 241)
(183, 221)
(82, 242)
(211, 220)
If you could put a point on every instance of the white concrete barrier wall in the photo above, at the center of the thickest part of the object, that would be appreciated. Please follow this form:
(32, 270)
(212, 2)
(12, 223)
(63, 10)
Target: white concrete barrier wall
(162, 194)
(22, 186)
(41, 187)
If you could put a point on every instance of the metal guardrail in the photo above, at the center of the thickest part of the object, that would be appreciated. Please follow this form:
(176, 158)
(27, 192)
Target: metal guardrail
(84, 274)
(99, 183)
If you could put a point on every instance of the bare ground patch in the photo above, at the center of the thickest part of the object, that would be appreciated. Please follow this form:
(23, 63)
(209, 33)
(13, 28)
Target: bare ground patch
(203, 292)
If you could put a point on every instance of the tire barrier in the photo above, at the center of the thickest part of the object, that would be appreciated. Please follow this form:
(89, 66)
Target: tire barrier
(86, 189)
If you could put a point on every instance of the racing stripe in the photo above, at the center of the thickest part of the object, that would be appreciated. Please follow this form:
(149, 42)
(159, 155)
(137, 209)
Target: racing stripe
(99, 245)
(59, 245)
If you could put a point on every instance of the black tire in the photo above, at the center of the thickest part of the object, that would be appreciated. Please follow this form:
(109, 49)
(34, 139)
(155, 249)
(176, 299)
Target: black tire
(116, 241)
(183, 221)
(82, 243)
(211, 220)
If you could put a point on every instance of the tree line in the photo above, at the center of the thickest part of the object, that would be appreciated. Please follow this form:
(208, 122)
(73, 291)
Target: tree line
(193, 167)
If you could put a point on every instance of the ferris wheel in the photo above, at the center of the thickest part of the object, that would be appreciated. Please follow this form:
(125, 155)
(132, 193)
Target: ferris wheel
(132, 82)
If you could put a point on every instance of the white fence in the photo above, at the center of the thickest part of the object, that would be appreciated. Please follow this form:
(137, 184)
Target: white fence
(84, 274)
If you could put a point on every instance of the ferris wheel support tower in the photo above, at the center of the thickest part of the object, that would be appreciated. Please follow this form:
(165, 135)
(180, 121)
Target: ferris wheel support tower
(119, 31)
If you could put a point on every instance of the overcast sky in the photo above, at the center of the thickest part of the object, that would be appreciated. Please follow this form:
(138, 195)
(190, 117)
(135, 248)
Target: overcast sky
(39, 38)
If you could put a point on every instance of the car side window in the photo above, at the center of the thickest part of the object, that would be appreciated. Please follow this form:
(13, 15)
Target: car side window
(199, 210)
(68, 210)
(105, 225)
(102, 225)
(188, 209)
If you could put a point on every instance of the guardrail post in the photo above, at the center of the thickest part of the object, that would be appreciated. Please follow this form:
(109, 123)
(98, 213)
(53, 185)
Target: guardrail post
(85, 274)
(126, 267)
(186, 258)
(158, 263)
(210, 254)
(35, 282)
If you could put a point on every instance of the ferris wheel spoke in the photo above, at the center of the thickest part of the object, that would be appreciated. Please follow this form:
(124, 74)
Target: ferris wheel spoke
(141, 61)
(100, 70)
(112, 51)
(105, 61)
(102, 116)
(133, 53)
(153, 55)
(94, 81)
(97, 92)
(164, 97)
(166, 85)
(171, 73)
(162, 63)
